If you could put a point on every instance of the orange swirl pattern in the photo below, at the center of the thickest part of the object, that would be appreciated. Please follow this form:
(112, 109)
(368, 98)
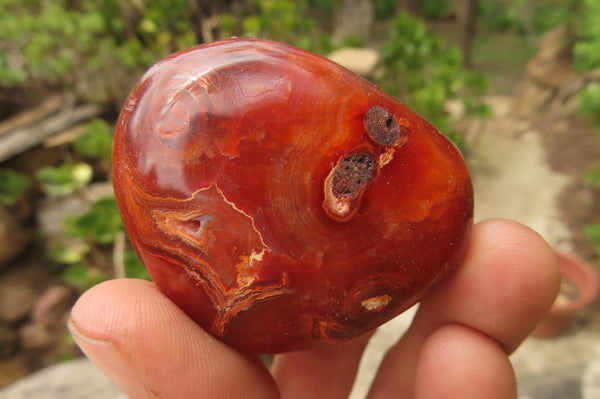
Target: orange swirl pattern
(281, 201)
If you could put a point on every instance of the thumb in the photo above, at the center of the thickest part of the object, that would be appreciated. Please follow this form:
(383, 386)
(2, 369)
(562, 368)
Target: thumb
(150, 348)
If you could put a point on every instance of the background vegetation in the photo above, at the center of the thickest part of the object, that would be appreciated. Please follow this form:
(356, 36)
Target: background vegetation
(93, 51)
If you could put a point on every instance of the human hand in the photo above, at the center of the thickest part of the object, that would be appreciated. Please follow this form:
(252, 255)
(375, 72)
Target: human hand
(456, 347)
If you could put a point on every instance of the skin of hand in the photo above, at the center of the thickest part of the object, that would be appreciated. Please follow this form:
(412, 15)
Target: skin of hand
(457, 346)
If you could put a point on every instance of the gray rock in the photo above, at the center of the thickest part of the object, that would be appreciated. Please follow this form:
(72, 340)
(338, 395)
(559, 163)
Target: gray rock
(76, 379)
(590, 381)
(361, 61)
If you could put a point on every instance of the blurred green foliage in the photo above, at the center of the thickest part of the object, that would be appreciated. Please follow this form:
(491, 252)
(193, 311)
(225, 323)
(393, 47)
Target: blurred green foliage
(593, 176)
(83, 276)
(96, 142)
(286, 21)
(99, 225)
(65, 178)
(593, 233)
(133, 266)
(587, 46)
(589, 103)
(424, 73)
(501, 15)
(385, 9)
(68, 252)
(94, 48)
(535, 17)
(551, 14)
(436, 9)
(586, 53)
(527, 17)
(13, 186)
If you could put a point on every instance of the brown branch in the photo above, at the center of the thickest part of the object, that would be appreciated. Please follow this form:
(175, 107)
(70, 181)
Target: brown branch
(31, 128)
(45, 109)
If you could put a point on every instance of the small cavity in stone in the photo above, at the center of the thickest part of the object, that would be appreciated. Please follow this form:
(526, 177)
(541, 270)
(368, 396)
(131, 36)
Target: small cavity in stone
(381, 126)
(354, 172)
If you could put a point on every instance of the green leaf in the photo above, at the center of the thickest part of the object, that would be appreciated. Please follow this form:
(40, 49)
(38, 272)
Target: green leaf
(593, 176)
(589, 103)
(477, 82)
(435, 8)
(96, 141)
(589, 100)
(384, 8)
(549, 16)
(593, 233)
(99, 225)
(67, 252)
(147, 26)
(252, 25)
(501, 16)
(425, 73)
(64, 179)
(227, 24)
(134, 267)
(12, 186)
(83, 277)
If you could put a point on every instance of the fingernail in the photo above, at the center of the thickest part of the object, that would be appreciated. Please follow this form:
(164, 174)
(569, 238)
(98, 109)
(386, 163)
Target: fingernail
(111, 360)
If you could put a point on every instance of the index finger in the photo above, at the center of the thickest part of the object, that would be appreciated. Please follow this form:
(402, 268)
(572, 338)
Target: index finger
(507, 281)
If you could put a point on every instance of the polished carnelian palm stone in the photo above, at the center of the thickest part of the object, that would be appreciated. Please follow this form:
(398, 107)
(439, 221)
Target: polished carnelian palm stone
(281, 201)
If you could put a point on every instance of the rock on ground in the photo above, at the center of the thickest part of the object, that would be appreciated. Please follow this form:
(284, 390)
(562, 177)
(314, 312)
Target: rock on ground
(361, 61)
(76, 379)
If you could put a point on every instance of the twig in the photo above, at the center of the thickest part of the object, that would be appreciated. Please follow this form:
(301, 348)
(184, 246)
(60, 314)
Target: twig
(25, 118)
(17, 140)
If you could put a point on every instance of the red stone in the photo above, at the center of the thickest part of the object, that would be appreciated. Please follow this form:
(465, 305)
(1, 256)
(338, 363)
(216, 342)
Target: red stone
(270, 205)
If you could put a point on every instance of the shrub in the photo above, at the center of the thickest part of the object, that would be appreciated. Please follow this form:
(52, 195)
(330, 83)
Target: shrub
(423, 72)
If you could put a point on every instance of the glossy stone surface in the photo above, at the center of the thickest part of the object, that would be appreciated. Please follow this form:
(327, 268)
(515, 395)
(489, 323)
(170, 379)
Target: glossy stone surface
(282, 201)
